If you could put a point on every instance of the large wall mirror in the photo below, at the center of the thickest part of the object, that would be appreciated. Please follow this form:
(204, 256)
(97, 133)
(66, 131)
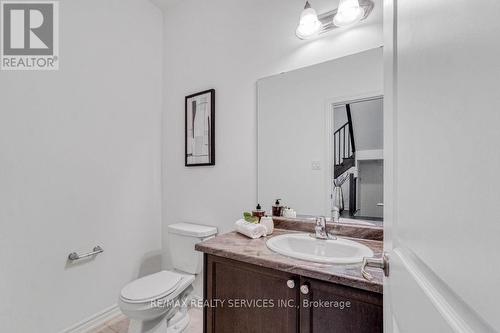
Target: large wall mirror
(320, 138)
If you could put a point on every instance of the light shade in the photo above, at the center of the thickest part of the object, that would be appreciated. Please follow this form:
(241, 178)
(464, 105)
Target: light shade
(349, 12)
(309, 24)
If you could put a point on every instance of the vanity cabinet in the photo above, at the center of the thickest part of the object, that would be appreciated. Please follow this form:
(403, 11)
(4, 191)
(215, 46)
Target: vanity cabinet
(228, 284)
(329, 307)
(246, 298)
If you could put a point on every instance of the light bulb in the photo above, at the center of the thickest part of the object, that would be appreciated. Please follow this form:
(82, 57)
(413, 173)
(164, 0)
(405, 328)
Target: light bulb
(349, 12)
(309, 24)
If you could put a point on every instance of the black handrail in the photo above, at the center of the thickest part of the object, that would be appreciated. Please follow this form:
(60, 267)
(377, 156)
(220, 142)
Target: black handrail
(339, 136)
(341, 128)
(351, 128)
(342, 147)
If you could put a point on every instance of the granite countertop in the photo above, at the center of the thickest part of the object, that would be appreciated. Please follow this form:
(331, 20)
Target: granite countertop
(235, 246)
(345, 228)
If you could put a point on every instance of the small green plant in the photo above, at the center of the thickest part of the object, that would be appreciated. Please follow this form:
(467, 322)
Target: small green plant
(249, 218)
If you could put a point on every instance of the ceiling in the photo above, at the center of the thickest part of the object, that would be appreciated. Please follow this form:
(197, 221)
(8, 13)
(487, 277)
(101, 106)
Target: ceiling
(320, 5)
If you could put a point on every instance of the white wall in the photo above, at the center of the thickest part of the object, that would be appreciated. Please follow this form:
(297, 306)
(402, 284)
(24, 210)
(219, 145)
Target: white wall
(293, 109)
(370, 188)
(80, 163)
(368, 122)
(228, 45)
(368, 119)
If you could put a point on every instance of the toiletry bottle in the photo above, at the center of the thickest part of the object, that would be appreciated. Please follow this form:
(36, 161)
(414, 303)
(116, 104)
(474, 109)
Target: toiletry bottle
(288, 212)
(258, 212)
(267, 222)
(277, 208)
(284, 211)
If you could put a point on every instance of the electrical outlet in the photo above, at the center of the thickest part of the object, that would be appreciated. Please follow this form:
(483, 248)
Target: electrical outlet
(316, 165)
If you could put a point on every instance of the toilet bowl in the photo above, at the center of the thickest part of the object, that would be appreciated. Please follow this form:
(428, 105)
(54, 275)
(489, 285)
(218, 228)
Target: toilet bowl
(158, 303)
(160, 295)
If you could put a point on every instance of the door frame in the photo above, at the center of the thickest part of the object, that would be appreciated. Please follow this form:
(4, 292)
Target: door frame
(390, 143)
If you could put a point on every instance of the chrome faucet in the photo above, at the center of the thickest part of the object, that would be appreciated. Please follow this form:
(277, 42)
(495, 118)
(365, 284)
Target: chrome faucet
(320, 229)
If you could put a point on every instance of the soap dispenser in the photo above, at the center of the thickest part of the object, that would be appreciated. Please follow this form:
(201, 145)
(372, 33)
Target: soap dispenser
(277, 208)
(258, 212)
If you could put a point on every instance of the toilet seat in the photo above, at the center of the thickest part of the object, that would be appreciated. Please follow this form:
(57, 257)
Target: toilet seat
(156, 295)
(151, 287)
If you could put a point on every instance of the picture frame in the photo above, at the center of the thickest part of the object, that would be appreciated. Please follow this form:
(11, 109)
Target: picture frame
(200, 129)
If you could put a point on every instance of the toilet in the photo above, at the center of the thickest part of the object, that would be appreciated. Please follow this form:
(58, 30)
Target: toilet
(158, 303)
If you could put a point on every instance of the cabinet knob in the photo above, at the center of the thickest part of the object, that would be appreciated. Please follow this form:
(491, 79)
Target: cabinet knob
(304, 289)
(290, 283)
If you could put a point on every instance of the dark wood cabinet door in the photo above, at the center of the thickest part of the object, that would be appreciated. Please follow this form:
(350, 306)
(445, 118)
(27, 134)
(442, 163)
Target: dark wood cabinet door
(228, 282)
(329, 307)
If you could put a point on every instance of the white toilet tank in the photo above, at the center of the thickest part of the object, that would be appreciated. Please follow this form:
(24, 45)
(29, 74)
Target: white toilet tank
(182, 238)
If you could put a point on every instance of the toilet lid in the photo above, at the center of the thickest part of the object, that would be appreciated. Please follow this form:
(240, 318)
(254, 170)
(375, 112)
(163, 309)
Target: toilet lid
(150, 287)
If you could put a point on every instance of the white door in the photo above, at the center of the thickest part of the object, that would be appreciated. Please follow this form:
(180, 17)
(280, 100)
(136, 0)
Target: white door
(442, 204)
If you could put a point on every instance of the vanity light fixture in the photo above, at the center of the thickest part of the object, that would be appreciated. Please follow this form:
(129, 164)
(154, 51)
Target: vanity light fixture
(309, 24)
(348, 13)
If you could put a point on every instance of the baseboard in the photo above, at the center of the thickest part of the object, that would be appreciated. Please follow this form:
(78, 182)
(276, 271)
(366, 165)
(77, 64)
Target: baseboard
(94, 320)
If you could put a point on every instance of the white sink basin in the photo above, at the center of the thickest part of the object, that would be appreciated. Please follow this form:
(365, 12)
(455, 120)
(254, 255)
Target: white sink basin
(305, 247)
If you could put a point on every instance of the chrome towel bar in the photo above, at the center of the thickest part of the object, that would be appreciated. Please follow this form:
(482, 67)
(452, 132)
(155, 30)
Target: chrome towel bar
(75, 256)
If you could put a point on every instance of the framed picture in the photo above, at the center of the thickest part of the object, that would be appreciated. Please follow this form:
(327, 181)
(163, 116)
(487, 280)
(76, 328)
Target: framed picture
(200, 129)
